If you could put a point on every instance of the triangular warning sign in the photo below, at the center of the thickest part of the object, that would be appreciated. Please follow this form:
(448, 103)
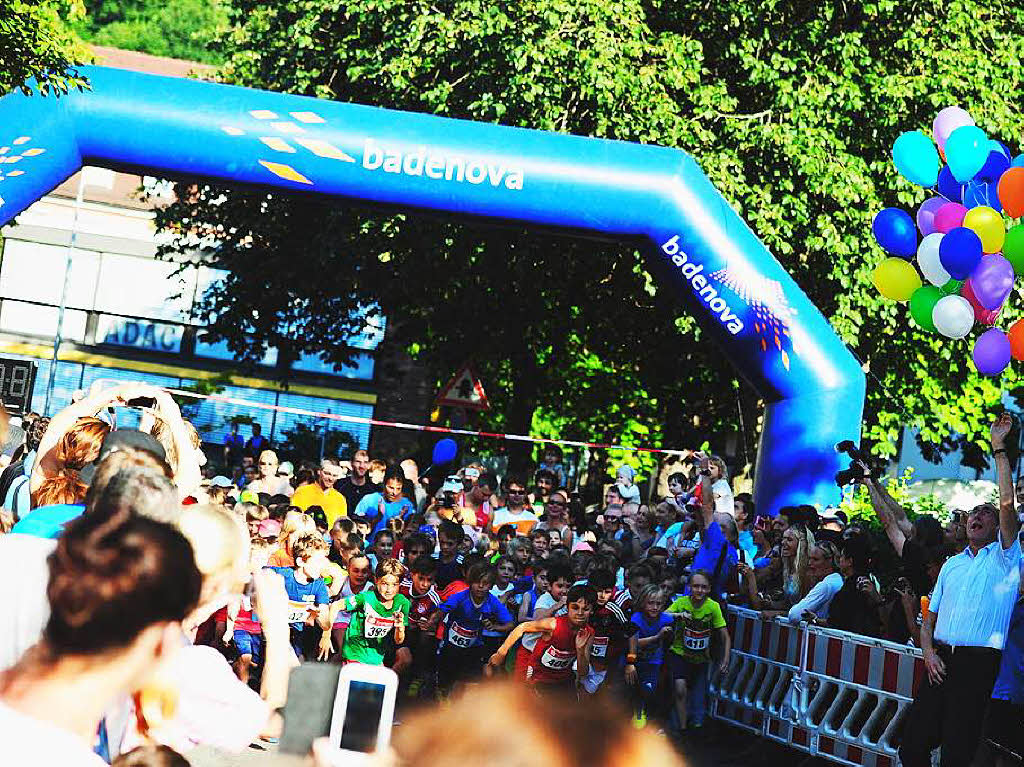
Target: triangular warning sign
(464, 390)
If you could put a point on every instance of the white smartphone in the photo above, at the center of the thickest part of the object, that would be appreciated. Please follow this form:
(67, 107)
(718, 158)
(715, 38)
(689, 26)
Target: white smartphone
(364, 710)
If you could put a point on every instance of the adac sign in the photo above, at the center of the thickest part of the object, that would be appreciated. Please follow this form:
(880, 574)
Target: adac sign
(140, 334)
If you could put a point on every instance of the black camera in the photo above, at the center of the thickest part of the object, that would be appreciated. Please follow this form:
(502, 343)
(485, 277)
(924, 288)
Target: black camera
(852, 473)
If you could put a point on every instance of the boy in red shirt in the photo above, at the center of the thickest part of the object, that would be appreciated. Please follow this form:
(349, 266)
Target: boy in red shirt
(613, 634)
(563, 642)
(419, 589)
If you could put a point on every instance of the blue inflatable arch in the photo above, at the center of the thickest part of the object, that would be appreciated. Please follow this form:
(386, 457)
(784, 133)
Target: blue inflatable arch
(812, 386)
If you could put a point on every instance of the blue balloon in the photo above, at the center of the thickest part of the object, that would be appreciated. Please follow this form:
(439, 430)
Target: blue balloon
(896, 232)
(982, 193)
(998, 161)
(445, 450)
(967, 150)
(949, 187)
(916, 158)
(1018, 161)
(960, 252)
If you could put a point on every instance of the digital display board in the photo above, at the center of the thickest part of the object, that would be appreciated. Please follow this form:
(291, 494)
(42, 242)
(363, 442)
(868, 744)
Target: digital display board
(17, 379)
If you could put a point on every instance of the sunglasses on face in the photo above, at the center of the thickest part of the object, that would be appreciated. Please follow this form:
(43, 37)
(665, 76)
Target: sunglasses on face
(616, 520)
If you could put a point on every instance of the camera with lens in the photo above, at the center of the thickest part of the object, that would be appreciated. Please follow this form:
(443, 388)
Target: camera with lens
(852, 473)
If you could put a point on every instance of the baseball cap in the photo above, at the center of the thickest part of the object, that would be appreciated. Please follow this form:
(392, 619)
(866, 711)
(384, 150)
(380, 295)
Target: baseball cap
(220, 481)
(285, 469)
(131, 438)
(248, 496)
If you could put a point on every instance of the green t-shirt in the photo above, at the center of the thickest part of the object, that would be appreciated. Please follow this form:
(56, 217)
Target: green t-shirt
(692, 638)
(370, 625)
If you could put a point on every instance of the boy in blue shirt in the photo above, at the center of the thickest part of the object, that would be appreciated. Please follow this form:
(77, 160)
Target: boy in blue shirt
(465, 615)
(307, 593)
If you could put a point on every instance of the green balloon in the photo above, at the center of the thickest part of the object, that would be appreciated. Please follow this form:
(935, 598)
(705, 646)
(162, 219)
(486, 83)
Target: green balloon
(952, 288)
(1013, 248)
(922, 302)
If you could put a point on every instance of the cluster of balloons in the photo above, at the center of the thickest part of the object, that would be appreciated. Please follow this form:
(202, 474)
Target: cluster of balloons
(966, 254)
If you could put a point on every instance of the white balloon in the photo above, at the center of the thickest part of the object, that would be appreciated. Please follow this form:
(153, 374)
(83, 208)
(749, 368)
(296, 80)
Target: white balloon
(953, 316)
(928, 260)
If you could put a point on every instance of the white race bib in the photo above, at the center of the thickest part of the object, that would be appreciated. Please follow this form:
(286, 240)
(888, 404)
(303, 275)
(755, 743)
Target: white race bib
(599, 647)
(377, 627)
(557, 660)
(696, 641)
(298, 611)
(461, 637)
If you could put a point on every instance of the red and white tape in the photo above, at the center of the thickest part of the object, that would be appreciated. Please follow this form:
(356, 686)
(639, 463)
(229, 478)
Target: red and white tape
(420, 427)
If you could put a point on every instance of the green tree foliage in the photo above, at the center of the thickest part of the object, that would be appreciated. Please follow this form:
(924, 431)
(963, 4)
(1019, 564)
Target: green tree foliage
(790, 107)
(181, 29)
(35, 43)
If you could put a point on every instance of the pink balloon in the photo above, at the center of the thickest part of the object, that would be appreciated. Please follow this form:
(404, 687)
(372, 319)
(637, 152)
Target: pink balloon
(926, 214)
(949, 216)
(947, 121)
(981, 314)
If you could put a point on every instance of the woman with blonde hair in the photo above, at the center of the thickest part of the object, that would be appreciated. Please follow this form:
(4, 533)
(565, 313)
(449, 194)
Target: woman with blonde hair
(267, 481)
(194, 696)
(295, 523)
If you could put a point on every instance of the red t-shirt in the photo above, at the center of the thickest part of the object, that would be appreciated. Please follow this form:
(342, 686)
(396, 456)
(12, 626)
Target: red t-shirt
(421, 605)
(552, 658)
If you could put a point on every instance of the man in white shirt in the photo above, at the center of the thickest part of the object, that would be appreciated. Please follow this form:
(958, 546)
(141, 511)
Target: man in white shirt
(962, 637)
(515, 511)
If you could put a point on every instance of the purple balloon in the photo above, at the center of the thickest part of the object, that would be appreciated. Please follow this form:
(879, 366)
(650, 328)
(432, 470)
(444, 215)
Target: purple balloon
(926, 214)
(992, 281)
(991, 352)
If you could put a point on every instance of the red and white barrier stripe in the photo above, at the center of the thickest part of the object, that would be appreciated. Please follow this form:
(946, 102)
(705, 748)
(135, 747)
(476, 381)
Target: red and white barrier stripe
(828, 693)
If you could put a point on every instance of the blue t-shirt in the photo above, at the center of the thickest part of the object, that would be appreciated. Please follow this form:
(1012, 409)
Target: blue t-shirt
(655, 654)
(48, 521)
(369, 507)
(464, 619)
(707, 557)
(1010, 682)
(314, 592)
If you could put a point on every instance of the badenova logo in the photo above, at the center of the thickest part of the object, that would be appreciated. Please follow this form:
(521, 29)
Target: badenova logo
(707, 292)
(441, 167)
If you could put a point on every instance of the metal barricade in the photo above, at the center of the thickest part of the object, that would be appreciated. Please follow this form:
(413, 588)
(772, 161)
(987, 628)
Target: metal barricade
(829, 693)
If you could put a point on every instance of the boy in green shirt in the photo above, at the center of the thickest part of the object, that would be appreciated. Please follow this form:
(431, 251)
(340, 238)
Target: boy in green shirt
(374, 615)
(697, 617)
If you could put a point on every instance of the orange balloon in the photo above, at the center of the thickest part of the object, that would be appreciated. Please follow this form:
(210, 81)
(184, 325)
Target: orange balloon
(1016, 336)
(1011, 192)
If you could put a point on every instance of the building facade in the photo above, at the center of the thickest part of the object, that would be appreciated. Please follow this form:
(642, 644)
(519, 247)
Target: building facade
(128, 314)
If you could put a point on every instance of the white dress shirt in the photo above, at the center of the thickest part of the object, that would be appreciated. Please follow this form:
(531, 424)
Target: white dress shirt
(975, 594)
(818, 598)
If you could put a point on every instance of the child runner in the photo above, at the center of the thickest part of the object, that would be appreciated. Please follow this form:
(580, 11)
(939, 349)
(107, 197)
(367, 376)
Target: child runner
(640, 575)
(357, 581)
(550, 604)
(419, 589)
(305, 587)
(564, 642)
(375, 614)
(541, 543)
(465, 614)
(613, 634)
(697, 617)
(504, 590)
(449, 561)
(654, 629)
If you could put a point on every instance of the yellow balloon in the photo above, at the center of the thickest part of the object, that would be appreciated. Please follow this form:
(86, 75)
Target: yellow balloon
(896, 279)
(987, 223)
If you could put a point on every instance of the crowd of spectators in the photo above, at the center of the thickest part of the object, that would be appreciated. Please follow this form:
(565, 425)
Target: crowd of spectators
(175, 594)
